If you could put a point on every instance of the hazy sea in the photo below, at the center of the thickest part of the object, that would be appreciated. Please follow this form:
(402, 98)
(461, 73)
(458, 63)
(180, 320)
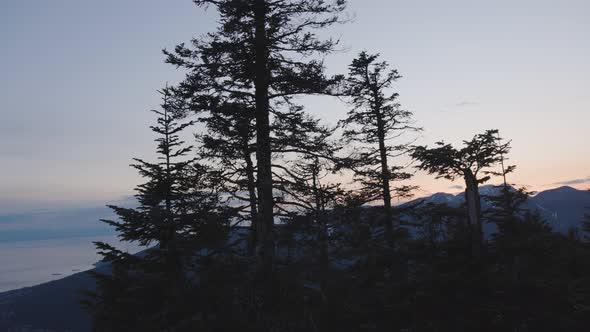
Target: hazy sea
(31, 262)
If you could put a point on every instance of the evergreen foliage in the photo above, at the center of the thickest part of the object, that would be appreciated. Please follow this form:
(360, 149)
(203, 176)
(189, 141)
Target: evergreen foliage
(316, 259)
(179, 215)
(478, 155)
(228, 145)
(262, 54)
(376, 118)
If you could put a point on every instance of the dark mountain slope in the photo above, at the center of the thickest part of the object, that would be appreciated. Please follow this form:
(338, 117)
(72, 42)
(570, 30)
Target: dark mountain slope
(567, 205)
(53, 306)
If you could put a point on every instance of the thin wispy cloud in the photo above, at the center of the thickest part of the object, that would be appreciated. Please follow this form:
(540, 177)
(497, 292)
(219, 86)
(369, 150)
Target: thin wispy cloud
(461, 106)
(456, 187)
(467, 103)
(573, 181)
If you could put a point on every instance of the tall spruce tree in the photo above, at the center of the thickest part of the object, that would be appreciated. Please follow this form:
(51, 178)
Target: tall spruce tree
(479, 154)
(506, 207)
(376, 118)
(305, 151)
(261, 53)
(178, 215)
(228, 145)
(507, 210)
(301, 180)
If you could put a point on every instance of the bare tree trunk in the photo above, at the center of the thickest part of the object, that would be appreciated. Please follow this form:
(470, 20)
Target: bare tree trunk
(385, 181)
(323, 231)
(474, 213)
(264, 225)
(252, 197)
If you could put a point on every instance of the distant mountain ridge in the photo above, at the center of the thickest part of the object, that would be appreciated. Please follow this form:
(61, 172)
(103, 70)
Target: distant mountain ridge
(567, 205)
(563, 207)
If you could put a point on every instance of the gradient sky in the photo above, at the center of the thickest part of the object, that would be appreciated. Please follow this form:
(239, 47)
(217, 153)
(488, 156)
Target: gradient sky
(77, 78)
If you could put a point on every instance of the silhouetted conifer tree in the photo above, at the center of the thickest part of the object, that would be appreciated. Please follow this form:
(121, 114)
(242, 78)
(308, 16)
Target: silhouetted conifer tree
(479, 154)
(506, 207)
(375, 120)
(228, 144)
(305, 152)
(261, 53)
(308, 199)
(178, 215)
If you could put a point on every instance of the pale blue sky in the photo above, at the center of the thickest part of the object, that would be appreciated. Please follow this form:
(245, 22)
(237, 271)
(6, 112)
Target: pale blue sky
(78, 76)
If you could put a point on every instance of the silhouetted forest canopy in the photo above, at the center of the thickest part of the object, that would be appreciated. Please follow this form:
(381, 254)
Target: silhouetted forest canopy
(251, 227)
